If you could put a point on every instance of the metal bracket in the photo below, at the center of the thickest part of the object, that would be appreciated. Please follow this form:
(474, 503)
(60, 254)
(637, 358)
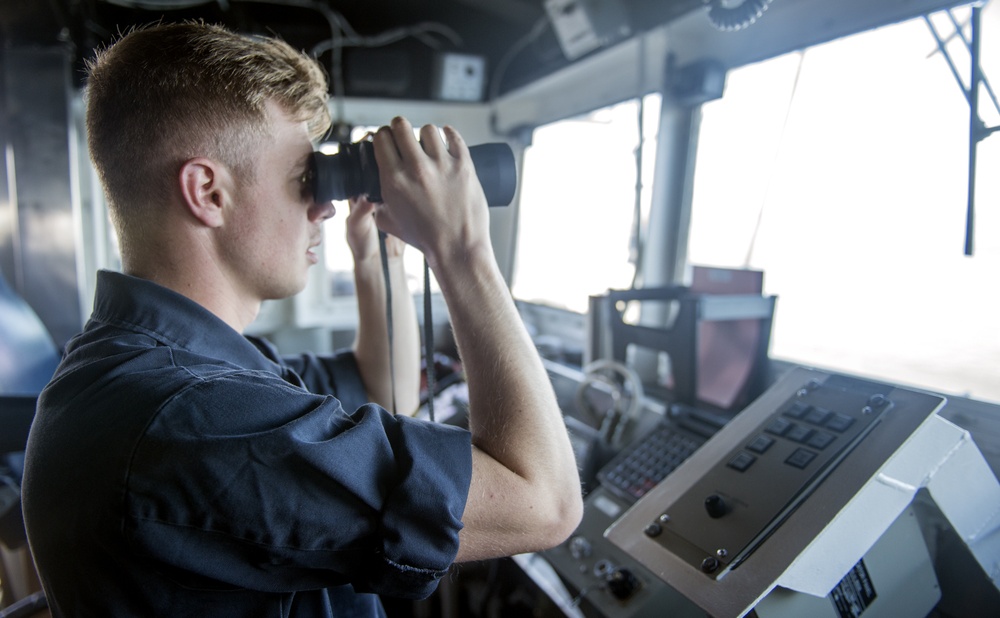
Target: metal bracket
(977, 129)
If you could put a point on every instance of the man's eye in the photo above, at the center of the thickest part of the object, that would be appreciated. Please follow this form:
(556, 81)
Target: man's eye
(306, 180)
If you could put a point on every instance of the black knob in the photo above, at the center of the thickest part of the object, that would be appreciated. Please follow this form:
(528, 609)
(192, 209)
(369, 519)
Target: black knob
(716, 506)
(709, 565)
(878, 400)
(622, 584)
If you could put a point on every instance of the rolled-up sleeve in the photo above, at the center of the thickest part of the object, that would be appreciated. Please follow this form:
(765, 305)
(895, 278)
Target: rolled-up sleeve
(253, 483)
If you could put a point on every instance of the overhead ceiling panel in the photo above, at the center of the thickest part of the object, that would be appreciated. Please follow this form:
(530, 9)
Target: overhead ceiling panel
(515, 37)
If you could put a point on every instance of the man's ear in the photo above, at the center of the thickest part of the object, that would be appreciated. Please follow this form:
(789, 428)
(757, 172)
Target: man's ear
(206, 187)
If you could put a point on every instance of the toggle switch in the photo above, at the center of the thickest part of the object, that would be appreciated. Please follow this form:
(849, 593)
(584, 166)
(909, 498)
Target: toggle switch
(716, 506)
(622, 584)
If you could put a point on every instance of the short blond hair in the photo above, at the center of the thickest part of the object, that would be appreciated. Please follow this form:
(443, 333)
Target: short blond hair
(166, 93)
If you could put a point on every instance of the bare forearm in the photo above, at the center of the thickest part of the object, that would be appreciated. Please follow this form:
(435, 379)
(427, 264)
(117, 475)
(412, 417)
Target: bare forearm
(371, 345)
(509, 394)
(514, 419)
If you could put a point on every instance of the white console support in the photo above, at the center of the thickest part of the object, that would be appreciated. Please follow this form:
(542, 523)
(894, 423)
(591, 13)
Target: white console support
(940, 457)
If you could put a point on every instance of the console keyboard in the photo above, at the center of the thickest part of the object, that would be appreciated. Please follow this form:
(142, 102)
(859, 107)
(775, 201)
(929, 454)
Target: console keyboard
(639, 467)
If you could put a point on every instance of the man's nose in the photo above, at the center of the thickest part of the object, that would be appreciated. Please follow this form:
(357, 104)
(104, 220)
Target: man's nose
(320, 211)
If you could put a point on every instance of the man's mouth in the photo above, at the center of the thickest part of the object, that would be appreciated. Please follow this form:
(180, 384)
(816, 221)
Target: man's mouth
(313, 258)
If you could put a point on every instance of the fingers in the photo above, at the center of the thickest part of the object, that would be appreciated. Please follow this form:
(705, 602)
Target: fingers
(360, 206)
(406, 143)
(437, 147)
(456, 144)
(423, 176)
(398, 139)
(386, 152)
(430, 141)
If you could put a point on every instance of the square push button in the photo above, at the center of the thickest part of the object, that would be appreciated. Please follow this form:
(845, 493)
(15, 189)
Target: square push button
(798, 409)
(821, 440)
(741, 462)
(799, 433)
(800, 458)
(778, 426)
(760, 444)
(817, 416)
(840, 422)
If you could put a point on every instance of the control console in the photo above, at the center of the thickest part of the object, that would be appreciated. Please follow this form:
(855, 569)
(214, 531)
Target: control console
(724, 526)
(746, 494)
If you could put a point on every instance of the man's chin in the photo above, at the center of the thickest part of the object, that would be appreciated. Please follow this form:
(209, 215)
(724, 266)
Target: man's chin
(285, 291)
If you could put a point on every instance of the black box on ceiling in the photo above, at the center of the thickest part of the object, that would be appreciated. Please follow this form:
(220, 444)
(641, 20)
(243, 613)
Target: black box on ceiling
(394, 72)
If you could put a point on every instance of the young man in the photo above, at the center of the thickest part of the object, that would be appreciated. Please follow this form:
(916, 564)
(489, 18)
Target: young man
(177, 468)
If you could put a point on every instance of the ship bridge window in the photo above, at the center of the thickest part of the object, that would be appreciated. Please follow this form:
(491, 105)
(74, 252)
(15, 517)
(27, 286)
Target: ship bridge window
(578, 205)
(841, 172)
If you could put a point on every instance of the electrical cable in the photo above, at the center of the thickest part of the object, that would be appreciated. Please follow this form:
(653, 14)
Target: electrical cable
(388, 37)
(516, 48)
(428, 341)
(627, 386)
(384, 254)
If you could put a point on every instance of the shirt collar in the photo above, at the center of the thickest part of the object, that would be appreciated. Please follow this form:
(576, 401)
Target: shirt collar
(172, 318)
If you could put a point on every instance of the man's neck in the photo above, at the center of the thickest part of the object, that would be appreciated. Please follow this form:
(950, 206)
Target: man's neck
(209, 287)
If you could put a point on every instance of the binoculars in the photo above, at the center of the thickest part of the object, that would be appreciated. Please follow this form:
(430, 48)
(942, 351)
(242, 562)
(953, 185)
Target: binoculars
(353, 171)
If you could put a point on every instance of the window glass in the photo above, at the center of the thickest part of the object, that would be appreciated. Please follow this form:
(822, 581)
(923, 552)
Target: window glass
(841, 172)
(577, 205)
